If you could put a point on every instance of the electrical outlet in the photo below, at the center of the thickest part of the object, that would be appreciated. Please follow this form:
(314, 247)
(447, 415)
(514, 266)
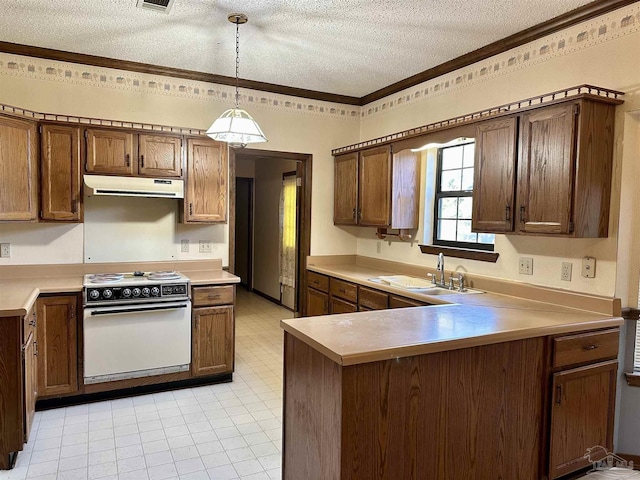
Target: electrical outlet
(588, 267)
(184, 245)
(565, 273)
(526, 266)
(5, 250)
(204, 246)
(378, 247)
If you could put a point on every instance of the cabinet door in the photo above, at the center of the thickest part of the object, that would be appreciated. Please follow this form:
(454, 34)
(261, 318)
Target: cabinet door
(61, 175)
(405, 191)
(58, 350)
(546, 170)
(317, 303)
(582, 415)
(345, 195)
(212, 342)
(18, 169)
(206, 194)
(159, 156)
(30, 383)
(494, 176)
(340, 306)
(109, 151)
(374, 187)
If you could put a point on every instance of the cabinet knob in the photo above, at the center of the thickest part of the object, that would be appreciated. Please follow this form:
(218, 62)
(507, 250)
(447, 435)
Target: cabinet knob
(590, 347)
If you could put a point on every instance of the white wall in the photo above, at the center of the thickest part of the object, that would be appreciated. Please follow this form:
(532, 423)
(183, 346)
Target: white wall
(266, 260)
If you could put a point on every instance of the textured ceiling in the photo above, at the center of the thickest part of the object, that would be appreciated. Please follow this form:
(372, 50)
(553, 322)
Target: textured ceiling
(348, 47)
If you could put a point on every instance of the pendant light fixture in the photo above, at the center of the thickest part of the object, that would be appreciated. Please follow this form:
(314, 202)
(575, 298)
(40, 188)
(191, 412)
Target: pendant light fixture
(236, 126)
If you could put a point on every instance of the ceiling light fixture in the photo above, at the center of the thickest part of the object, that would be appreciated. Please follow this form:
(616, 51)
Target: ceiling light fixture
(236, 126)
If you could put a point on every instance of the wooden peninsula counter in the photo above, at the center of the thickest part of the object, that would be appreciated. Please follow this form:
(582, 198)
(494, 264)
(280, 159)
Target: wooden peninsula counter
(447, 392)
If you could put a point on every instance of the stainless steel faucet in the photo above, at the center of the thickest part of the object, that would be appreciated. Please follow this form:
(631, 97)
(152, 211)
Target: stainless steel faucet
(440, 267)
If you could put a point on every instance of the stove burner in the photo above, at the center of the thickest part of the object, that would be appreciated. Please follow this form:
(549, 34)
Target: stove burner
(106, 277)
(164, 275)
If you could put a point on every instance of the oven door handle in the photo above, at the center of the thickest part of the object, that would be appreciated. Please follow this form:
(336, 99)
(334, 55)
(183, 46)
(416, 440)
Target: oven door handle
(139, 309)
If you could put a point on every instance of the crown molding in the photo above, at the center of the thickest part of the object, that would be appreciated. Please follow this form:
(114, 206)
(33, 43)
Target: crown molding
(581, 14)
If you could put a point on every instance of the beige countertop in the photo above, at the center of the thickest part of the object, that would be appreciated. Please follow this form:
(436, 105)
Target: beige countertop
(454, 321)
(20, 287)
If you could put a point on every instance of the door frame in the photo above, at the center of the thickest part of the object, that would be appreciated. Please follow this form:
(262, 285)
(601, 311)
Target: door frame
(251, 182)
(305, 166)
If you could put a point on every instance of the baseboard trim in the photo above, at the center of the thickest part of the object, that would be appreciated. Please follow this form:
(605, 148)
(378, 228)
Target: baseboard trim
(271, 299)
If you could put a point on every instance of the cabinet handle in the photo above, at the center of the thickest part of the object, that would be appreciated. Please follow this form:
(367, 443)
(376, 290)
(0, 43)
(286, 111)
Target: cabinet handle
(521, 213)
(590, 347)
(127, 160)
(559, 394)
(359, 214)
(507, 213)
(213, 297)
(32, 323)
(191, 209)
(35, 353)
(354, 213)
(341, 290)
(141, 161)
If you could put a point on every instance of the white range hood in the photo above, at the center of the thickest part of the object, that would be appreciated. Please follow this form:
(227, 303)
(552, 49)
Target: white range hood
(134, 186)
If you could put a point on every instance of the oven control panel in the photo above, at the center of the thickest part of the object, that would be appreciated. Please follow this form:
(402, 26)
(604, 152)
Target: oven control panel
(110, 294)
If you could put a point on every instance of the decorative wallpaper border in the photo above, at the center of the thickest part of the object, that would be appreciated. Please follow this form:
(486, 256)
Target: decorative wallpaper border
(619, 23)
(51, 70)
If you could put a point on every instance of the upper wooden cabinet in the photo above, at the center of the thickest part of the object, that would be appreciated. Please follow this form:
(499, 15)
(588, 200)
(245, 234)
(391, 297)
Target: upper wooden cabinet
(205, 199)
(61, 176)
(376, 188)
(109, 151)
(494, 176)
(160, 156)
(564, 171)
(18, 169)
(119, 152)
(345, 199)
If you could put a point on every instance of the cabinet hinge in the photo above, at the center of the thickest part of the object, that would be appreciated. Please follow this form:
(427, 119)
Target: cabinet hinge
(298, 182)
(571, 227)
(576, 109)
(72, 312)
(86, 134)
(41, 214)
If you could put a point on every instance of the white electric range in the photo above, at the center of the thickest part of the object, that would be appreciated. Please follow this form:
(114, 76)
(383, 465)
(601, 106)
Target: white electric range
(135, 325)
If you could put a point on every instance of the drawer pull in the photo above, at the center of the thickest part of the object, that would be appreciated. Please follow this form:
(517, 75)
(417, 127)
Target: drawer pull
(559, 394)
(341, 290)
(590, 347)
(213, 297)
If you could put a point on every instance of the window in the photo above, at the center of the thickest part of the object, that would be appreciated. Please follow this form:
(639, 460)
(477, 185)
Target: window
(454, 201)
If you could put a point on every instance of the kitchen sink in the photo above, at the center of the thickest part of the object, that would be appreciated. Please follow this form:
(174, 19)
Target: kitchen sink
(416, 284)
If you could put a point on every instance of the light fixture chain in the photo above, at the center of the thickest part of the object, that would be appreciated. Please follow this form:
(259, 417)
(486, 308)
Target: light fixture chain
(237, 61)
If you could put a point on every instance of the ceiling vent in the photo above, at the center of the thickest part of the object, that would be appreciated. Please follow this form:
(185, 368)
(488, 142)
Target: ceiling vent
(157, 5)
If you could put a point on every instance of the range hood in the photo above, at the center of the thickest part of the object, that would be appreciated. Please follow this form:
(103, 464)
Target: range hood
(134, 186)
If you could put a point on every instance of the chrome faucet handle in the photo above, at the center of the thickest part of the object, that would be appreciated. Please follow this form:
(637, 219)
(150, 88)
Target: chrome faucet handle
(460, 282)
(433, 277)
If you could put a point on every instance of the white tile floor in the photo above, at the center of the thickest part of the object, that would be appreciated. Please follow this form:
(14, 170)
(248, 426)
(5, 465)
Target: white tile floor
(218, 432)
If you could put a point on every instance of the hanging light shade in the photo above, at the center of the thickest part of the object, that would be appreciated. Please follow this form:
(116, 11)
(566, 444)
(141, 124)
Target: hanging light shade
(235, 126)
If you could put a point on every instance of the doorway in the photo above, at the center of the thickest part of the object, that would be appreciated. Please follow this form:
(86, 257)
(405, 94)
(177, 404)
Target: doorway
(261, 264)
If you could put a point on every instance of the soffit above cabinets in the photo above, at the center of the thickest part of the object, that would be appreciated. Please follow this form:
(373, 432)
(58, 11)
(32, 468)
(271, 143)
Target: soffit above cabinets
(349, 47)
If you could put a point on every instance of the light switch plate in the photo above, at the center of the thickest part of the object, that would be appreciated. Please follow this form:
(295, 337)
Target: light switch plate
(525, 266)
(589, 267)
(204, 246)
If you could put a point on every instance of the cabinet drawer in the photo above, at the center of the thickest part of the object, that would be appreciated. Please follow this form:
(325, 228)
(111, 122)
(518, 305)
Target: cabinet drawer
(317, 281)
(345, 290)
(372, 299)
(340, 306)
(204, 296)
(585, 347)
(29, 324)
(402, 302)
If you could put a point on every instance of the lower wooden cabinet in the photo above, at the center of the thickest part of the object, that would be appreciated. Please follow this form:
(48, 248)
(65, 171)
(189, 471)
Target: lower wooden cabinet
(317, 303)
(582, 414)
(58, 345)
(212, 341)
(213, 334)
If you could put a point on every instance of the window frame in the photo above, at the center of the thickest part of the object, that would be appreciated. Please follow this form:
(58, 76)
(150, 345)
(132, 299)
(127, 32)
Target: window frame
(439, 194)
